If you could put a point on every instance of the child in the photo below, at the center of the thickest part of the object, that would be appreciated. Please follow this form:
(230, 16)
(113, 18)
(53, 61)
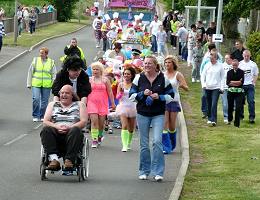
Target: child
(111, 35)
(197, 54)
(2, 30)
(146, 40)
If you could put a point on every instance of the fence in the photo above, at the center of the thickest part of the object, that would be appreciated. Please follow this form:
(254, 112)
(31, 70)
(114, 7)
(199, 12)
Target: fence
(43, 19)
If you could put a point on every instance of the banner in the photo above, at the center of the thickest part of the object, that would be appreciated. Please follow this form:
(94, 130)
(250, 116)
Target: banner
(132, 3)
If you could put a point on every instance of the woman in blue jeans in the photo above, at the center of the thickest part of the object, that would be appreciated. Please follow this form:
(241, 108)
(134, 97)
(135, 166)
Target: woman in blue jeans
(152, 91)
(41, 75)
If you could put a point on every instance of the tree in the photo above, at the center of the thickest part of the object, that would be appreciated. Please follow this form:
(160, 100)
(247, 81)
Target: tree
(64, 9)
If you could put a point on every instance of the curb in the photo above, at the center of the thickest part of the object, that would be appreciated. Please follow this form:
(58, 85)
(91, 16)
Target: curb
(3, 66)
(36, 45)
(176, 192)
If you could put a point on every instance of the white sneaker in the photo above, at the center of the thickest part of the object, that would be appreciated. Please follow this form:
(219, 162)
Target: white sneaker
(124, 149)
(158, 178)
(143, 177)
(209, 122)
(197, 80)
(94, 144)
(213, 123)
(225, 121)
(35, 119)
(193, 80)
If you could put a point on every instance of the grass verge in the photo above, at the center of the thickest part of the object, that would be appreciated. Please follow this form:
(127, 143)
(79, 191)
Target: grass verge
(28, 40)
(225, 161)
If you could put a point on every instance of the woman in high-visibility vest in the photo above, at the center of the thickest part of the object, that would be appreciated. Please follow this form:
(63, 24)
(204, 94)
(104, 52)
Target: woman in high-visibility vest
(41, 75)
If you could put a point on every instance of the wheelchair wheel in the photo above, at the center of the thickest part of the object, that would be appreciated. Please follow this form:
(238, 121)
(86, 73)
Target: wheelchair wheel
(84, 170)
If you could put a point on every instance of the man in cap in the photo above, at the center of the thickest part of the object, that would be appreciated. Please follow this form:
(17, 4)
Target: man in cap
(136, 60)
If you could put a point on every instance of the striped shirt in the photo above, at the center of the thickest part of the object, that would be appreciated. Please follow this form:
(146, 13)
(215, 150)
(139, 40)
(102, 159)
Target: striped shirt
(65, 116)
(2, 29)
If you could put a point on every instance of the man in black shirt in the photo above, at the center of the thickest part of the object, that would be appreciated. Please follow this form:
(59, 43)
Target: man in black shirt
(238, 53)
(235, 80)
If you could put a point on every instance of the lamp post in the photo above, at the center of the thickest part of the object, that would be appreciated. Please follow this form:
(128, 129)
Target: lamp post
(198, 13)
(15, 23)
(219, 19)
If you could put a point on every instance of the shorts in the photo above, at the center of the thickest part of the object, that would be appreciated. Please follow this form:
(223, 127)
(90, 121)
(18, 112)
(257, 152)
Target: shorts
(173, 107)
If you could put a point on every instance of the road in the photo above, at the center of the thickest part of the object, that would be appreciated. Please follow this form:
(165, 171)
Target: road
(113, 174)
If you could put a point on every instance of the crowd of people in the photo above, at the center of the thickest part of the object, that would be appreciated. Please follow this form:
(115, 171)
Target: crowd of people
(140, 91)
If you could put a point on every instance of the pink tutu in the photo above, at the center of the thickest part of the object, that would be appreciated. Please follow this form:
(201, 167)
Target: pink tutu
(128, 110)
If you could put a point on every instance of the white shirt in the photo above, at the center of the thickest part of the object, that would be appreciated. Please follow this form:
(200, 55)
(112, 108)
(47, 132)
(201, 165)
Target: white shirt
(96, 4)
(182, 33)
(250, 70)
(226, 68)
(212, 76)
(154, 26)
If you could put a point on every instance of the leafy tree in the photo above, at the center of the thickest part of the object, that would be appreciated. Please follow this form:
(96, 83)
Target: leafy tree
(64, 9)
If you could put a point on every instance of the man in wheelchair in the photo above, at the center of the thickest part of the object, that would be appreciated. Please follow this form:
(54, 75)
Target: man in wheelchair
(62, 123)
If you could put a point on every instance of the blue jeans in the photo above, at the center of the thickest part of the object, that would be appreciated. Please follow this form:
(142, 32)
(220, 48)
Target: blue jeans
(32, 27)
(161, 49)
(212, 100)
(151, 163)
(40, 98)
(204, 105)
(154, 44)
(250, 97)
(225, 104)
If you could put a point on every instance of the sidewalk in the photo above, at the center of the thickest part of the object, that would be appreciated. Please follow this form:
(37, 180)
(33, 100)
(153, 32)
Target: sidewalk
(7, 54)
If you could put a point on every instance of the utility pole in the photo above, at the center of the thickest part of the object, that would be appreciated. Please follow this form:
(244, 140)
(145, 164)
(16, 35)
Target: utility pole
(15, 23)
(198, 12)
(219, 19)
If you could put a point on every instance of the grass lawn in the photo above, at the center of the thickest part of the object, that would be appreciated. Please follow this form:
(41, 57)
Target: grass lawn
(28, 40)
(225, 160)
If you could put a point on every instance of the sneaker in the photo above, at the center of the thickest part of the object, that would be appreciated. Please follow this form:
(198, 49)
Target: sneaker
(94, 144)
(209, 122)
(41, 119)
(68, 163)
(124, 149)
(158, 178)
(226, 121)
(204, 116)
(197, 80)
(110, 131)
(251, 121)
(35, 119)
(193, 80)
(54, 165)
(143, 177)
(213, 123)
(100, 139)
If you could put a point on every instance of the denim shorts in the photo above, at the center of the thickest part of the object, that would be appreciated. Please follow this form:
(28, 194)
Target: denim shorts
(173, 107)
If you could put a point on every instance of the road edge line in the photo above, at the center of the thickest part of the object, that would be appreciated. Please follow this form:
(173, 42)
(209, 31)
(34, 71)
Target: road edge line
(176, 191)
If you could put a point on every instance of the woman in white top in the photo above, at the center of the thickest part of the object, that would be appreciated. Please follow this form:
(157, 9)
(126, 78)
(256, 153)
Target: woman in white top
(212, 80)
(126, 108)
(177, 80)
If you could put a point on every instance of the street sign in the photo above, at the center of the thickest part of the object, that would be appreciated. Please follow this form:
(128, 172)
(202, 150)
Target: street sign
(217, 38)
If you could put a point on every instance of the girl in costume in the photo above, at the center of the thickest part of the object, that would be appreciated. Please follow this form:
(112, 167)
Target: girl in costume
(126, 109)
(97, 105)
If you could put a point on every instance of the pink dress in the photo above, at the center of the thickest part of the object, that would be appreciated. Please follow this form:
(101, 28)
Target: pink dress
(98, 99)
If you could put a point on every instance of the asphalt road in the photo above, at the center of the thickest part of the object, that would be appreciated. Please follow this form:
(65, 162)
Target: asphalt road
(113, 174)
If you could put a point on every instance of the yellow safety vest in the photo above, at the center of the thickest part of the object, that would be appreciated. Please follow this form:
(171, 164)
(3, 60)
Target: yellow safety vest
(42, 74)
(82, 56)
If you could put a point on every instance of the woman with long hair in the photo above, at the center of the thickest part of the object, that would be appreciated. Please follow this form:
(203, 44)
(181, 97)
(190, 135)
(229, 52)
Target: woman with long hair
(97, 103)
(177, 80)
(126, 109)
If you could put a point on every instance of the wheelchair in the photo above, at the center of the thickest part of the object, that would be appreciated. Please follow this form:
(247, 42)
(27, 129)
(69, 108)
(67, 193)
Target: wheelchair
(80, 168)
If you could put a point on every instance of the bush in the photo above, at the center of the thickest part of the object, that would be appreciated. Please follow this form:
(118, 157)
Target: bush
(253, 44)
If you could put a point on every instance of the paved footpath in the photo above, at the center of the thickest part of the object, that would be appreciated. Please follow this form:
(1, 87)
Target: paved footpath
(113, 174)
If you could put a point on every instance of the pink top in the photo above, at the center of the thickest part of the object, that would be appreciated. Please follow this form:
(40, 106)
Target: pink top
(97, 99)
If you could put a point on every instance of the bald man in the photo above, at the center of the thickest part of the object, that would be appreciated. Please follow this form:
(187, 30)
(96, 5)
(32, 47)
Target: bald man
(63, 122)
(251, 74)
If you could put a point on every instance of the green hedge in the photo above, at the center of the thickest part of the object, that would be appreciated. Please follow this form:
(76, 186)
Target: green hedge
(253, 44)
